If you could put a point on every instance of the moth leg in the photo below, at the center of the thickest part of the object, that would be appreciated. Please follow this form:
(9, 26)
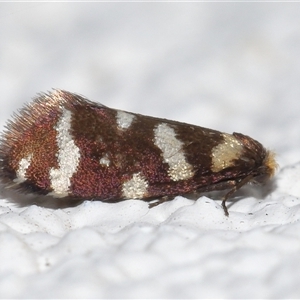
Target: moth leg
(225, 185)
(160, 201)
(237, 186)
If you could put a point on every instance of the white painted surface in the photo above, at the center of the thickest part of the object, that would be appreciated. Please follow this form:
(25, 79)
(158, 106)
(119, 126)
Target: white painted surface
(228, 66)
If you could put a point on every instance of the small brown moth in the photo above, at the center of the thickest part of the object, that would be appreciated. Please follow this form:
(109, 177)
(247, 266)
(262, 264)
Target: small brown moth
(64, 145)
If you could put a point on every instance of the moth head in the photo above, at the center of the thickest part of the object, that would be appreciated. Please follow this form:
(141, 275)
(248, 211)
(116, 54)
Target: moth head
(260, 160)
(267, 170)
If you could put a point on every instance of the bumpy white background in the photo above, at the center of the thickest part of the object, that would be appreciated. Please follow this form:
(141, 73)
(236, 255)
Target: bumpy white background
(228, 66)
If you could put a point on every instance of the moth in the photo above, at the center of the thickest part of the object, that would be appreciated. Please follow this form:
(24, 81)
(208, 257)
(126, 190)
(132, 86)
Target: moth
(63, 145)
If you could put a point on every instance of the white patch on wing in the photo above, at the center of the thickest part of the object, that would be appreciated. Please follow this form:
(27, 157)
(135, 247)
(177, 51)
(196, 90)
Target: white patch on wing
(136, 187)
(68, 157)
(172, 152)
(224, 153)
(124, 119)
(23, 166)
(104, 161)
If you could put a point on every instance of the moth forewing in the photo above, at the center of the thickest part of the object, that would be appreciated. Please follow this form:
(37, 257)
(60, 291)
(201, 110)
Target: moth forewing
(63, 145)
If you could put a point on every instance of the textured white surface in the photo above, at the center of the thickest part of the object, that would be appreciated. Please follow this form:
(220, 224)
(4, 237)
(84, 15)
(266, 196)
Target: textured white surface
(228, 66)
